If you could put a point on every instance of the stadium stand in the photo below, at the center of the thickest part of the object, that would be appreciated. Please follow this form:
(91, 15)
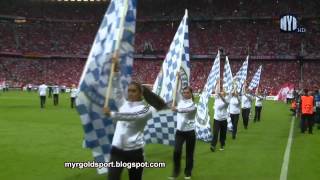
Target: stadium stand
(52, 47)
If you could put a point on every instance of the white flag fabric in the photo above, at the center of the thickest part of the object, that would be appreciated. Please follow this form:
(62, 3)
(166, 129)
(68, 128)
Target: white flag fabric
(241, 75)
(227, 77)
(256, 79)
(203, 129)
(176, 58)
(161, 128)
(116, 31)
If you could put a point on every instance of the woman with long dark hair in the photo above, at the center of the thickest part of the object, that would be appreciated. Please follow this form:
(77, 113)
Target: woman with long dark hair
(134, 112)
(185, 133)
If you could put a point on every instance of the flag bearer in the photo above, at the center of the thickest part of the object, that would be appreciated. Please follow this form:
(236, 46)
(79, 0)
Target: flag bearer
(185, 133)
(128, 142)
(221, 104)
(234, 109)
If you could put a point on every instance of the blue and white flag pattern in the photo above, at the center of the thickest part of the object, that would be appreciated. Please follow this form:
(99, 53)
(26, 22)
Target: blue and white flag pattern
(241, 75)
(116, 30)
(173, 61)
(161, 128)
(203, 130)
(227, 77)
(256, 79)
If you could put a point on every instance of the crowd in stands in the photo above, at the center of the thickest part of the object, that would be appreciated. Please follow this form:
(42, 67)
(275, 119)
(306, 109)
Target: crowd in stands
(20, 72)
(71, 33)
(275, 73)
(236, 38)
(164, 9)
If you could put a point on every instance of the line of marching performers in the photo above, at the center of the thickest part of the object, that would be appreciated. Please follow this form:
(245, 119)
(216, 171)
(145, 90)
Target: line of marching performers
(128, 142)
(230, 105)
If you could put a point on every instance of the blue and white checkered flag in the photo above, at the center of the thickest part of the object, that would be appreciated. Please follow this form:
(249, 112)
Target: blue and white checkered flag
(256, 79)
(115, 35)
(241, 75)
(203, 129)
(161, 128)
(227, 77)
(173, 61)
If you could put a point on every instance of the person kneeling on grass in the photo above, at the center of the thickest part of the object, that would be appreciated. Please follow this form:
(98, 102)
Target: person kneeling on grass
(293, 108)
(128, 142)
(185, 132)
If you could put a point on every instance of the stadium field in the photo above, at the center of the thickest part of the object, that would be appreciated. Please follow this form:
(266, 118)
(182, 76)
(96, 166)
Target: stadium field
(36, 142)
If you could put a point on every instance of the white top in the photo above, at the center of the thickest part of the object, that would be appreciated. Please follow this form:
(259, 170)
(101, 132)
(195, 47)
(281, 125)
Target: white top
(131, 120)
(73, 92)
(290, 94)
(234, 106)
(56, 90)
(246, 101)
(43, 90)
(185, 115)
(259, 100)
(220, 108)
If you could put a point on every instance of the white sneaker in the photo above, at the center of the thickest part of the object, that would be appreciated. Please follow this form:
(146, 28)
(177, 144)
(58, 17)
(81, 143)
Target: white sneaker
(172, 178)
(187, 177)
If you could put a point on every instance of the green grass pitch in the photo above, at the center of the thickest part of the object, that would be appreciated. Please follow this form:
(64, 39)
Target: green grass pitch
(36, 142)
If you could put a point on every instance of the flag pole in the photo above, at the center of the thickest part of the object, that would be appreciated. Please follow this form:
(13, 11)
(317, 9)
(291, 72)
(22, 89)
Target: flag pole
(219, 86)
(257, 90)
(115, 56)
(234, 86)
(174, 95)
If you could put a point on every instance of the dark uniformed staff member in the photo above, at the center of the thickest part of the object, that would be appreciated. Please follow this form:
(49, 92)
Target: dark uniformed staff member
(307, 105)
(317, 104)
(128, 142)
(50, 88)
(185, 132)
